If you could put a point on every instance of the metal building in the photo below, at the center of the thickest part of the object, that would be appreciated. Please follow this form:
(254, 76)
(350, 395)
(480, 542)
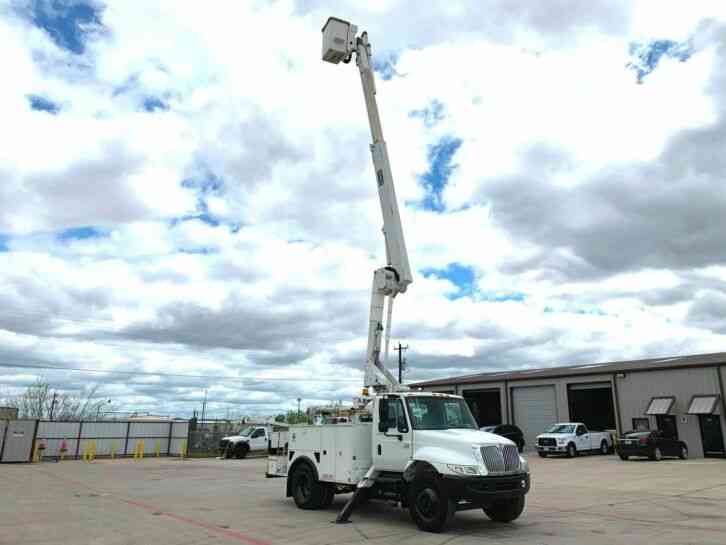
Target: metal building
(682, 396)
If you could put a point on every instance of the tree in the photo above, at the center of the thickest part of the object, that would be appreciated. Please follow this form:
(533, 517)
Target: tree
(42, 402)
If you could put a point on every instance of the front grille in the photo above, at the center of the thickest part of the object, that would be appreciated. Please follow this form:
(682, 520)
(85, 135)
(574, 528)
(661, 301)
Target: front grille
(546, 442)
(504, 459)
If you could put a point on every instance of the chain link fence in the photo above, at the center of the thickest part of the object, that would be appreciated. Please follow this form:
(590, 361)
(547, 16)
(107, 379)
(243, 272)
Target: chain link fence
(204, 437)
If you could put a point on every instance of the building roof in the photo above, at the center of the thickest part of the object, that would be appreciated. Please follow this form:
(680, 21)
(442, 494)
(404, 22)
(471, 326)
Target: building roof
(675, 362)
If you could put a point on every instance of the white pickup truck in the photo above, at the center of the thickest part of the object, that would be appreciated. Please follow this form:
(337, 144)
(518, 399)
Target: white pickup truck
(261, 437)
(572, 438)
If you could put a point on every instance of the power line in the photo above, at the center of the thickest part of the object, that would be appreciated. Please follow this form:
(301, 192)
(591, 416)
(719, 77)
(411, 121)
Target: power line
(177, 375)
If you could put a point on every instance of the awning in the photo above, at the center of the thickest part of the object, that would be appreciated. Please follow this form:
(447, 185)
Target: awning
(702, 404)
(660, 405)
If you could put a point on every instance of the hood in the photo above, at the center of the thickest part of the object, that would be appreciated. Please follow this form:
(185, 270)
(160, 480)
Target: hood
(554, 435)
(235, 438)
(453, 446)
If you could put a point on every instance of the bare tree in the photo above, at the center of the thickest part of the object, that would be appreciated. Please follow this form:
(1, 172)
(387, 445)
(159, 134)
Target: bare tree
(42, 402)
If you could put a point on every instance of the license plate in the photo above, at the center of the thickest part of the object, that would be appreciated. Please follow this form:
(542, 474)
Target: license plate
(550, 448)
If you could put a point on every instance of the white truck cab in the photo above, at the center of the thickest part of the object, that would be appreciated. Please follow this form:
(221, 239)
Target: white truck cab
(571, 438)
(421, 450)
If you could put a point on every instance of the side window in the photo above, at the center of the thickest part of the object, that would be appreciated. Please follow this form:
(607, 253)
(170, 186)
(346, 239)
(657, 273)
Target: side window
(580, 430)
(259, 432)
(391, 413)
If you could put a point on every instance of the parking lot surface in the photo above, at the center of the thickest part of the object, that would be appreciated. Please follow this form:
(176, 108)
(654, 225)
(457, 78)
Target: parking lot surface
(586, 500)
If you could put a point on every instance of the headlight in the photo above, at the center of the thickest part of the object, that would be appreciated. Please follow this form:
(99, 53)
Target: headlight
(524, 464)
(463, 470)
(561, 441)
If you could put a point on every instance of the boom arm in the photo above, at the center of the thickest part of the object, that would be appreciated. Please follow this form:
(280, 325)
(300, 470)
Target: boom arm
(339, 43)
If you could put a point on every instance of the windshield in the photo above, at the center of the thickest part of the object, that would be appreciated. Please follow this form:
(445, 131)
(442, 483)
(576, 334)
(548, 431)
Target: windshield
(561, 428)
(439, 413)
(244, 432)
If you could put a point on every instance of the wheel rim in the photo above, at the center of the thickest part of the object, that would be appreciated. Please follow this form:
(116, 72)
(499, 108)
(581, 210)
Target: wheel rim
(427, 503)
(571, 452)
(604, 448)
(684, 452)
(658, 454)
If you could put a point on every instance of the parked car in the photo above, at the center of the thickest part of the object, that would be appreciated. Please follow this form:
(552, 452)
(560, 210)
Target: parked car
(511, 432)
(652, 444)
(571, 438)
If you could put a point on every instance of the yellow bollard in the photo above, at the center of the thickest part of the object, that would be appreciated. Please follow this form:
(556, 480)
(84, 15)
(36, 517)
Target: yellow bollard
(113, 450)
(183, 450)
(157, 448)
(139, 450)
(35, 453)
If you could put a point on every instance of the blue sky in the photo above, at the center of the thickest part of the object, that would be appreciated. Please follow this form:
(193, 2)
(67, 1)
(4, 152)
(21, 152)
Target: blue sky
(173, 201)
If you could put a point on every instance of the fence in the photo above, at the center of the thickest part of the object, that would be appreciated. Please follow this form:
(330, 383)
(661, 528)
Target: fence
(118, 438)
(204, 438)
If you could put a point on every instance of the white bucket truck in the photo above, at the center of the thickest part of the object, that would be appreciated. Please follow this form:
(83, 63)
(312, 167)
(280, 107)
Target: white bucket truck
(422, 450)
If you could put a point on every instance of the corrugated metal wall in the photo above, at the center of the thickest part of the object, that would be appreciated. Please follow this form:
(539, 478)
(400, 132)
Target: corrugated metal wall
(119, 438)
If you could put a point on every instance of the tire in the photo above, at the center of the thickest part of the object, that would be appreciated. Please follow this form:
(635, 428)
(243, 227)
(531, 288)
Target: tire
(684, 453)
(328, 496)
(505, 510)
(542, 454)
(241, 450)
(571, 450)
(429, 505)
(604, 448)
(657, 455)
(624, 457)
(306, 490)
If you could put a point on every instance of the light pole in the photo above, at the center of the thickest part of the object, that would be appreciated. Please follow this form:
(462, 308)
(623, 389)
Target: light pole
(298, 406)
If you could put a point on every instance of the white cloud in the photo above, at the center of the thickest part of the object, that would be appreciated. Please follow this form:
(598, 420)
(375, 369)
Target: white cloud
(581, 201)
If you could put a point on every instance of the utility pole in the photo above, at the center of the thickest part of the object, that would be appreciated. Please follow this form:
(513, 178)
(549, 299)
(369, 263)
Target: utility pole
(204, 405)
(298, 405)
(52, 405)
(401, 361)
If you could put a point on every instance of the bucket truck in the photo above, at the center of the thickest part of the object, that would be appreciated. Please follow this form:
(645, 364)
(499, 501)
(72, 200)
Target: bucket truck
(421, 450)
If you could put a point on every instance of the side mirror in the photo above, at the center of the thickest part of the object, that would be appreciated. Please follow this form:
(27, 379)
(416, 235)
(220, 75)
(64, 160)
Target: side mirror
(402, 426)
(382, 427)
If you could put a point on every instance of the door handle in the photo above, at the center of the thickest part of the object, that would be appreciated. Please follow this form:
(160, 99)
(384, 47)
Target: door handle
(379, 450)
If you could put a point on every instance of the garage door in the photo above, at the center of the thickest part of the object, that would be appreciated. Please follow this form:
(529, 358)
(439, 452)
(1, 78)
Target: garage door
(535, 410)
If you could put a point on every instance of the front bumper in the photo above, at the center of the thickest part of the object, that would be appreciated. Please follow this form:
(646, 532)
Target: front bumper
(481, 490)
(552, 448)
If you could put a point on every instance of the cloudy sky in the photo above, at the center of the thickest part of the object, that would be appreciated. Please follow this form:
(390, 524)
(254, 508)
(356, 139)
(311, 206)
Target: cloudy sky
(186, 189)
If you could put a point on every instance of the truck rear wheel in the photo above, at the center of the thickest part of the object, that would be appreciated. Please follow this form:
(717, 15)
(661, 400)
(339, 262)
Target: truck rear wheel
(429, 505)
(505, 510)
(604, 447)
(306, 490)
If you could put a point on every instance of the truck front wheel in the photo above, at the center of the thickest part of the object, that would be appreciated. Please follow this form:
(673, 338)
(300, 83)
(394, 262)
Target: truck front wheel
(241, 450)
(571, 450)
(429, 505)
(307, 492)
(505, 510)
